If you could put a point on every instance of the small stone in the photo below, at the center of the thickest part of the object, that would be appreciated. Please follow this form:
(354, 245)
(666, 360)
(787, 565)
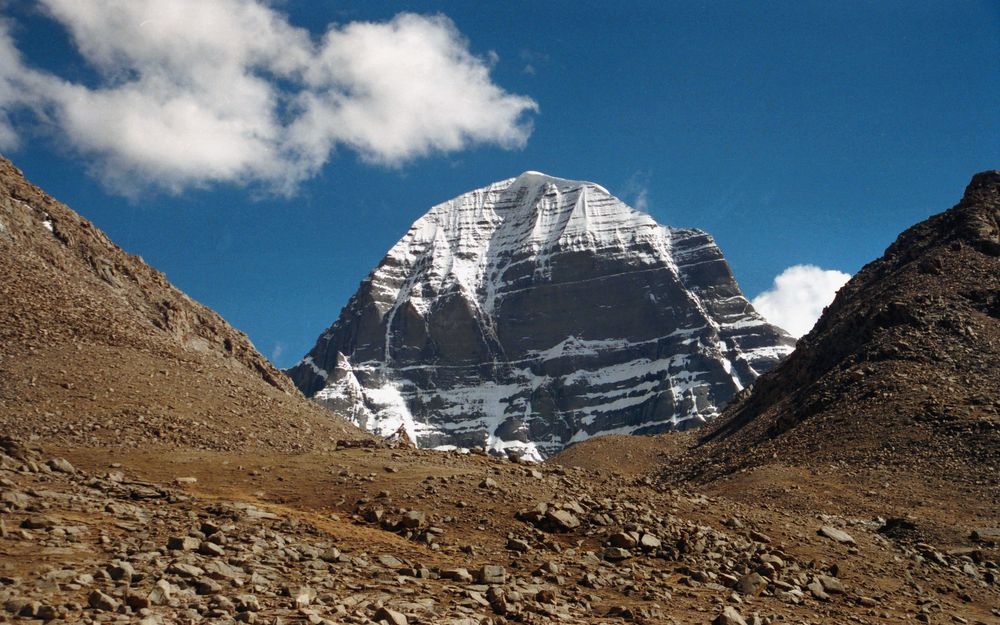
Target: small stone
(413, 519)
(562, 519)
(516, 544)
(14, 499)
(208, 586)
(545, 596)
(218, 569)
(121, 571)
(729, 616)
(61, 465)
(391, 562)
(100, 601)
(211, 549)
(831, 584)
(390, 616)
(457, 574)
(136, 600)
(330, 555)
(303, 596)
(649, 542)
(759, 537)
(589, 580)
(47, 612)
(623, 540)
(183, 543)
(835, 534)
(247, 603)
(29, 609)
(616, 554)
(492, 574)
(549, 568)
(751, 584)
(37, 523)
(185, 570)
(488, 483)
(817, 591)
(14, 606)
(161, 592)
(183, 481)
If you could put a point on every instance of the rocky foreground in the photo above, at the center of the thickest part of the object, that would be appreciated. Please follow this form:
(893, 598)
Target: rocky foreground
(407, 536)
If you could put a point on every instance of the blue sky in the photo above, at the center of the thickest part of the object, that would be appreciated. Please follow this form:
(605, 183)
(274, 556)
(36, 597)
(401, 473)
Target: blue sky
(795, 132)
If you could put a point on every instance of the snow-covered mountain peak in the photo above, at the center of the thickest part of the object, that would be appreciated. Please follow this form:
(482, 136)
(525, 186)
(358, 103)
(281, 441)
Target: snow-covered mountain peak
(537, 178)
(538, 311)
(533, 212)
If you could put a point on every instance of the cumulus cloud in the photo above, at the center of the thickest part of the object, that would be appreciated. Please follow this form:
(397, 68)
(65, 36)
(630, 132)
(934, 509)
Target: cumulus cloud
(17, 87)
(193, 92)
(798, 296)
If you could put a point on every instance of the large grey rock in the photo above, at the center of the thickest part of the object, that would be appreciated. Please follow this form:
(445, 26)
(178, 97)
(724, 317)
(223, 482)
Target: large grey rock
(536, 312)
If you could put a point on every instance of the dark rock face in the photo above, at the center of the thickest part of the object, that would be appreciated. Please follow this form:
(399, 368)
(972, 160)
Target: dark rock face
(537, 312)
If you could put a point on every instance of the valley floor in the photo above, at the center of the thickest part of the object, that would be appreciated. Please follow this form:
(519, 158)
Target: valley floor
(411, 536)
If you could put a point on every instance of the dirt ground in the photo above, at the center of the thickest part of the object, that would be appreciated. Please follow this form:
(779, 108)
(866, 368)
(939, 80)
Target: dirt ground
(887, 578)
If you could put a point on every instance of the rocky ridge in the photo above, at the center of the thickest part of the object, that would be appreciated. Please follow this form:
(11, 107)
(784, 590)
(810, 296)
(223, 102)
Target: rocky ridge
(537, 312)
(901, 369)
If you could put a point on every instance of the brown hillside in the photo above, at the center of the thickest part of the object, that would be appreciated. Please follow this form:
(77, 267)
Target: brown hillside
(98, 348)
(902, 368)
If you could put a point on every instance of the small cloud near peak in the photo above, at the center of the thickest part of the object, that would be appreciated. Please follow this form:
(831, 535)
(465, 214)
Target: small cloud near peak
(798, 296)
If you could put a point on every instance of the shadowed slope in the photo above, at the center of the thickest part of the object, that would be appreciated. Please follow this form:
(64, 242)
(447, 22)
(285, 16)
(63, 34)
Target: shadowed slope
(901, 368)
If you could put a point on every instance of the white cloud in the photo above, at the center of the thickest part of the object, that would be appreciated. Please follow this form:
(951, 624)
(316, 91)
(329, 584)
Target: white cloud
(14, 92)
(641, 201)
(798, 297)
(195, 92)
(635, 191)
(279, 349)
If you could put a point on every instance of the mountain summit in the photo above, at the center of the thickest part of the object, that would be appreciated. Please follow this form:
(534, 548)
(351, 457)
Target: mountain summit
(536, 312)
